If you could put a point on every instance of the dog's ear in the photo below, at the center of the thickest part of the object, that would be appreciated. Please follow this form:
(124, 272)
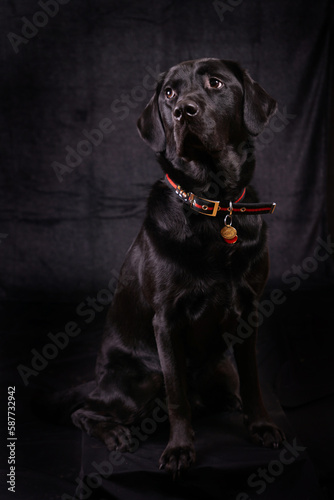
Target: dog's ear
(258, 105)
(150, 125)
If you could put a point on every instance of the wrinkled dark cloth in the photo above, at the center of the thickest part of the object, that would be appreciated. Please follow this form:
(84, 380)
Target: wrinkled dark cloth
(97, 61)
(228, 466)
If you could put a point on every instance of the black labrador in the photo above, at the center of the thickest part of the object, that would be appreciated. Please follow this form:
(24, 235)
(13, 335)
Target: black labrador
(195, 271)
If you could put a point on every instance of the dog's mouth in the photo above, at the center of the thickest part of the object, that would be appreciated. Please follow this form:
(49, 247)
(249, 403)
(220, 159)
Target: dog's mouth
(190, 146)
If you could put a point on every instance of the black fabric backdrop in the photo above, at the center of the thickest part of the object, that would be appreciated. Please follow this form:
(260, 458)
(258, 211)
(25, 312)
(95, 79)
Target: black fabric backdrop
(75, 175)
(94, 60)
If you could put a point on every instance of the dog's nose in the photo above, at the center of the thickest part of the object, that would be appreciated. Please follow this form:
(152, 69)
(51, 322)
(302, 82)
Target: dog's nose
(183, 108)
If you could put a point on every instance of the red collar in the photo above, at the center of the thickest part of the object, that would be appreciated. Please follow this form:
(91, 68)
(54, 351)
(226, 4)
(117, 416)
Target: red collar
(211, 207)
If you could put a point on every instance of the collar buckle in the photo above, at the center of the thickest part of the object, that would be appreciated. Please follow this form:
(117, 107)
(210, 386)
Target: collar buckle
(209, 207)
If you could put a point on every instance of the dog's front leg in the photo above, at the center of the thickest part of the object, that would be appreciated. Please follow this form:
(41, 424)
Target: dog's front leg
(180, 452)
(263, 430)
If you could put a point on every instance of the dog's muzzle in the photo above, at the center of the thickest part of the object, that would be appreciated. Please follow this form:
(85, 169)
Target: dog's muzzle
(185, 109)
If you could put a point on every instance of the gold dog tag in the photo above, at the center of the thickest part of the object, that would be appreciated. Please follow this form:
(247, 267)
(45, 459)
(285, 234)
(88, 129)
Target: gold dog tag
(229, 234)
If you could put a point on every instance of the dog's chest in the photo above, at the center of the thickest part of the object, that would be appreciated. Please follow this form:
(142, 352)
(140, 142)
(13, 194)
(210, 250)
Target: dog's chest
(202, 282)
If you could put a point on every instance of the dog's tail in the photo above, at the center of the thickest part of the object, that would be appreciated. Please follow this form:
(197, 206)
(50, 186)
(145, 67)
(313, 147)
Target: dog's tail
(58, 406)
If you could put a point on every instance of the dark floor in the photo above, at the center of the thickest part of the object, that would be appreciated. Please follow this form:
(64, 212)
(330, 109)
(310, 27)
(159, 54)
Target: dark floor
(305, 381)
(296, 358)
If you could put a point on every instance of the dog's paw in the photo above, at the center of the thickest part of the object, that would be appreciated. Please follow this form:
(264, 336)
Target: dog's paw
(117, 438)
(266, 433)
(177, 459)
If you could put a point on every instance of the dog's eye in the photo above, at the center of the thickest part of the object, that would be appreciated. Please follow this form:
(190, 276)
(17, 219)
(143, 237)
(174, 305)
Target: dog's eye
(214, 83)
(169, 93)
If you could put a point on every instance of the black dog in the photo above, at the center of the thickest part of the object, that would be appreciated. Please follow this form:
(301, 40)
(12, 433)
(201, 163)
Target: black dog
(188, 277)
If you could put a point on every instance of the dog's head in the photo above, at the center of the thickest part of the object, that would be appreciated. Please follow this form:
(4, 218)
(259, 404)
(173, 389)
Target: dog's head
(203, 106)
